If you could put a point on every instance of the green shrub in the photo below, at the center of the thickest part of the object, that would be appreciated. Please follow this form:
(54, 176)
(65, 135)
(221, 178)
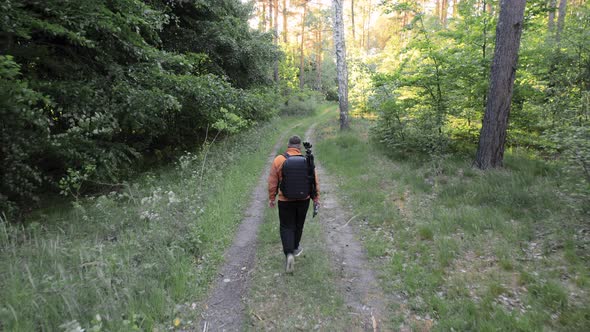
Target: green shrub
(90, 88)
(23, 136)
(332, 94)
(573, 145)
(303, 102)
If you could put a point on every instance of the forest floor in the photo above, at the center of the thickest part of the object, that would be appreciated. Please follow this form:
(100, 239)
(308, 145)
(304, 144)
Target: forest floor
(137, 258)
(401, 243)
(425, 243)
(505, 249)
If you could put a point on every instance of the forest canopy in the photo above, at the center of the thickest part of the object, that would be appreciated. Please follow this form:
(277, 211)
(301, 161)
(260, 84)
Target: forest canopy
(88, 87)
(423, 69)
(91, 88)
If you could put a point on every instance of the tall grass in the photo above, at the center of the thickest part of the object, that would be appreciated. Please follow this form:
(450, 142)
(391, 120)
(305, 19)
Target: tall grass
(470, 250)
(135, 258)
(302, 103)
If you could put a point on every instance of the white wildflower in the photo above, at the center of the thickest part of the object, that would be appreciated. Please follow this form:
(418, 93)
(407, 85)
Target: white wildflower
(148, 215)
(172, 198)
(72, 326)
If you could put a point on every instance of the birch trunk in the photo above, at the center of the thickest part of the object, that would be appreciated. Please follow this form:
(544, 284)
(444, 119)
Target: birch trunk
(341, 68)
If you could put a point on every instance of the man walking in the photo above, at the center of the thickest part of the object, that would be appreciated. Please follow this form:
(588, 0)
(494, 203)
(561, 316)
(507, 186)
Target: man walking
(292, 176)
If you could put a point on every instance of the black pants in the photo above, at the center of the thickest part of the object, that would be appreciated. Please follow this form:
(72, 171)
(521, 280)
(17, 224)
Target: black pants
(292, 217)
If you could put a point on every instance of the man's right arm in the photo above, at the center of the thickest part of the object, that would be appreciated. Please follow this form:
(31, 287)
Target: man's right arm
(273, 182)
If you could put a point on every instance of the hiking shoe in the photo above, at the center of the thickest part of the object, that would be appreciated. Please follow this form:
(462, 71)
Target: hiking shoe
(290, 266)
(298, 251)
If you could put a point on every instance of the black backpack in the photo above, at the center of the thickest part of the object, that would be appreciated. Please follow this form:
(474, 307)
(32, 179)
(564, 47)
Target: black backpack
(295, 183)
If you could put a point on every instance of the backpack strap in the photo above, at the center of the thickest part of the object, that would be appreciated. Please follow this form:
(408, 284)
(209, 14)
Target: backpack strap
(287, 156)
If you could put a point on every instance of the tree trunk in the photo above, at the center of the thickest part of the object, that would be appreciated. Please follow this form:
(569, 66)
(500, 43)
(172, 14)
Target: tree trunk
(560, 19)
(341, 68)
(276, 20)
(437, 8)
(443, 12)
(262, 23)
(368, 28)
(455, 9)
(484, 48)
(551, 21)
(264, 18)
(275, 38)
(301, 57)
(285, 17)
(492, 139)
(319, 59)
(270, 16)
(363, 22)
(352, 20)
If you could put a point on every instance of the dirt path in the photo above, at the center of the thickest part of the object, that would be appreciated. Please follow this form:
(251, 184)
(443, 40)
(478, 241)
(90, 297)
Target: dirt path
(358, 282)
(224, 308)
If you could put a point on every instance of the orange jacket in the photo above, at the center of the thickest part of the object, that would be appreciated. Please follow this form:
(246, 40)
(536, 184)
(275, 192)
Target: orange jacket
(276, 175)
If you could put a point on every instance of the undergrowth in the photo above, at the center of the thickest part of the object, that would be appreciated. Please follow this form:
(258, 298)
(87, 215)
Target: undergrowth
(133, 259)
(505, 249)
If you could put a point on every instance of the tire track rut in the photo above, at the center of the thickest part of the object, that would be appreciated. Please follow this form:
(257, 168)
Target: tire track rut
(357, 281)
(224, 308)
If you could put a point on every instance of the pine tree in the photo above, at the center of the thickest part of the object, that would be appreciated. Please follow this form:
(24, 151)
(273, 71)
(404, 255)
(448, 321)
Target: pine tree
(493, 133)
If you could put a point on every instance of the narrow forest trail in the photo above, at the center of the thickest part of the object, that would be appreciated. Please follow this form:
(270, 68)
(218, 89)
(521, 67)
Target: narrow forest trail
(366, 305)
(224, 308)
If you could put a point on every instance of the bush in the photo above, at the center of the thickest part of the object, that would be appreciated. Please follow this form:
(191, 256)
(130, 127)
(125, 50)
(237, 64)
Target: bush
(406, 129)
(332, 94)
(24, 135)
(303, 102)
(573, 146)
(84, 98)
